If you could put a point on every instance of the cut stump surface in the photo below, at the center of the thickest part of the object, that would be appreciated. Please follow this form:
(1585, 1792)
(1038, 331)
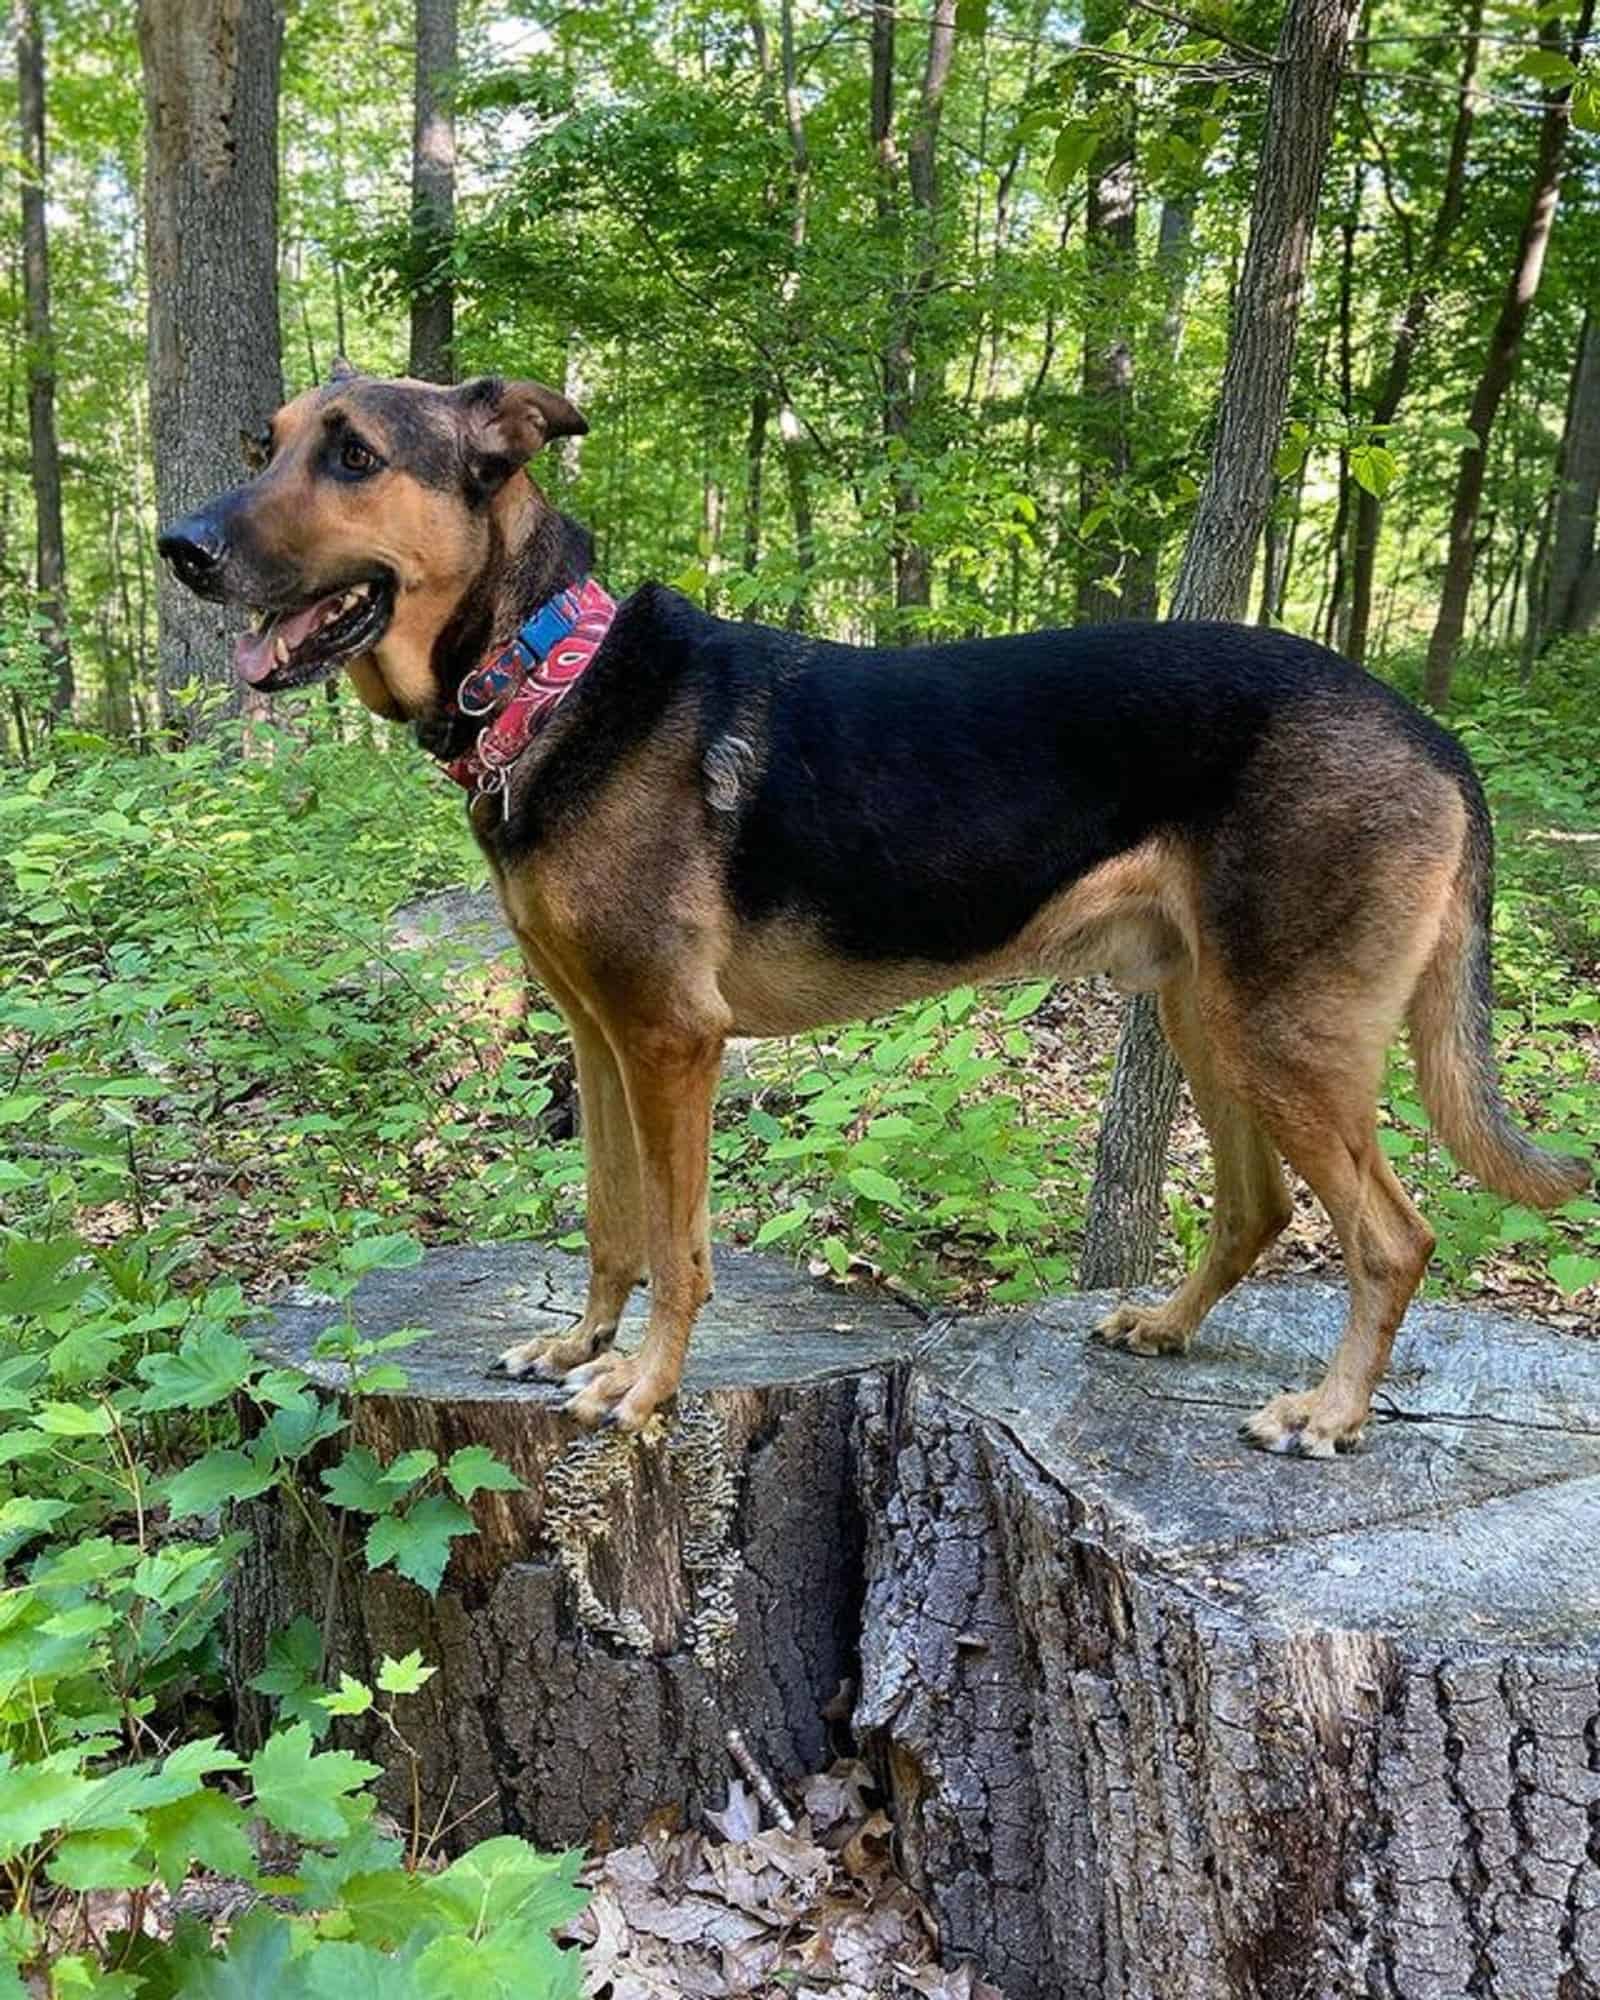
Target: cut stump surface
(1163, 1718)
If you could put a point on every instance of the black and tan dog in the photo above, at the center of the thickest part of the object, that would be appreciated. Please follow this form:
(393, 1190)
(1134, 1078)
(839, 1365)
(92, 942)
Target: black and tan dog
(728, 830)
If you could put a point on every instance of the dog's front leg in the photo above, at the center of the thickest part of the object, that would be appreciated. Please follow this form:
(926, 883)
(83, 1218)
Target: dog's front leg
(670, 1077)
(614, 1216)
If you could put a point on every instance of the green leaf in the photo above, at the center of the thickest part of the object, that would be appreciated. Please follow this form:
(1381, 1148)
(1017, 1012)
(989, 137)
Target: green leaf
(352, 1697)
(301, 1790)
(219, 1476)
(475, 1469)
(1374, 468)
(404, 1676)
(505, 1880)
(1575, 1274)
(382, 1253)
(357, 1483)
(104, 1860)
(38, 1798)
(876, 1186)
(1076, 144)
(74, 1420)
(776, 1227)
(207, 1827)
(972, 16)
(209, 1366)
(1550, 67)
(409, 1467)
(418, 1541)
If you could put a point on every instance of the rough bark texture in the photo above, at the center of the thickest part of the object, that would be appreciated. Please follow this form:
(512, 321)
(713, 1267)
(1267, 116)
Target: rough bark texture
(1213, 580)
(50, 552)
(211, 204)
(1163, 1719)
(1499, 366)
(433, 192)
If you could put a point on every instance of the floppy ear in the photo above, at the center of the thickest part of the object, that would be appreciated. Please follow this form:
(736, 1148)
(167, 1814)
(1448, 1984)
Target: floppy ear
(341, 371)
(505, 423)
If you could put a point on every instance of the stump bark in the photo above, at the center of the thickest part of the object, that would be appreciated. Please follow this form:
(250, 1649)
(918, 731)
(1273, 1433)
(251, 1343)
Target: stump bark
(1162, 1719)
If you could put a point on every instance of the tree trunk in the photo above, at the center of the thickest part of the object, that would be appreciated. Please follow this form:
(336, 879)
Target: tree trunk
(1338, 583)
(1505, 344)
(1413, 322)
(1124, 1213)
(50, 550)
(1572, 545)
(755, 452)
(433, 192)
(1158, 1720)
(1105, 442)
(211, 201)
(910, 375)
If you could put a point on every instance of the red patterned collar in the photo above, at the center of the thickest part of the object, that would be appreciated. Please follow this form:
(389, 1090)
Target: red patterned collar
(519, 686)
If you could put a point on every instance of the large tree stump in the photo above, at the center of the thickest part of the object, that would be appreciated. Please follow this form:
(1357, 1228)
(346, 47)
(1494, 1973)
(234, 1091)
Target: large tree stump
(1163, 1719)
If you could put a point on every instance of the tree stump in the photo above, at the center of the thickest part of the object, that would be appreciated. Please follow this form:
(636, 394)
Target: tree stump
(1162, 1718)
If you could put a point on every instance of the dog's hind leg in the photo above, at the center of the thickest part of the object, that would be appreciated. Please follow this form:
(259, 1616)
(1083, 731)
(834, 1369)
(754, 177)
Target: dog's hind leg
(670, 1076)
(1251, 1204)
(1386, 1246)
(614, 1213)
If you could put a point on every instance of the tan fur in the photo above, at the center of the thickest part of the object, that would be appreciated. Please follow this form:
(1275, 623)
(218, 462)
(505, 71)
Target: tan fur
(623, 919)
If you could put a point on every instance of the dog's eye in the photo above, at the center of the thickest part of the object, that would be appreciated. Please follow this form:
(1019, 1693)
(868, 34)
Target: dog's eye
(357, 458)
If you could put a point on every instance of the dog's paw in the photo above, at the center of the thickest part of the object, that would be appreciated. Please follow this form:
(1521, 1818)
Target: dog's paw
(619, 1390)
(1142, 1330)
(552, 1357)
(1305, 1424)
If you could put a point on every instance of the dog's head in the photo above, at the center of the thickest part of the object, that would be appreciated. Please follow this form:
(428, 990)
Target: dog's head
(374, 509)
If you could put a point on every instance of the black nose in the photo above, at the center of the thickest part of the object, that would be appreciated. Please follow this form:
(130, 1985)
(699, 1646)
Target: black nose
(196, 549)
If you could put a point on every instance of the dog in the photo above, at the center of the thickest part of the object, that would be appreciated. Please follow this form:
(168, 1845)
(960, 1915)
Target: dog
(698, 828)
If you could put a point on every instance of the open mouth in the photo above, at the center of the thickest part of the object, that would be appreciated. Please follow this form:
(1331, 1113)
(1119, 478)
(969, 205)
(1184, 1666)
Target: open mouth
(290, 649)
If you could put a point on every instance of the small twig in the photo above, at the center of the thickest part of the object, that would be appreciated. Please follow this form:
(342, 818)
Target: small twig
(763, 1787)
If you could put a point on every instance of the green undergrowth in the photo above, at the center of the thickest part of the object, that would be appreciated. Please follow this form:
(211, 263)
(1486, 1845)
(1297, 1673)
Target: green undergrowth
(216, 1069)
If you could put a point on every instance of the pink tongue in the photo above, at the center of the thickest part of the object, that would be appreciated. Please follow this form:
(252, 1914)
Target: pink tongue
(255, 654)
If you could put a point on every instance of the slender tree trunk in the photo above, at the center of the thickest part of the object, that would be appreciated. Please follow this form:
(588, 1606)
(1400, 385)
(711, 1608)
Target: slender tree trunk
(1105, 445)
(433, 192)
(211, 200)
(910, 375)
(1505, 345)
(1338, 584)
(1396, 377)
(1572, 534)
(50, 552)
(1214, 578)
(755, 452)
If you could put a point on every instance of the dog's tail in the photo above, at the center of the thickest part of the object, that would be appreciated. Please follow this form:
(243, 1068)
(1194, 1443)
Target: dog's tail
(1451, 1024)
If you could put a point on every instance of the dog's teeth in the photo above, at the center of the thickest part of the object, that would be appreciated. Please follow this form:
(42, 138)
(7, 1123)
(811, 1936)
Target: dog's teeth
(281, 652)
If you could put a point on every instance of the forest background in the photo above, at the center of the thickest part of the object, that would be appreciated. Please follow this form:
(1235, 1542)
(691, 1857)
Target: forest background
(888, 323)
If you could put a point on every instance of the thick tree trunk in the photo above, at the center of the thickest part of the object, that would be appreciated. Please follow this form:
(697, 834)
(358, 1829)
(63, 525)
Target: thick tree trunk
(1572, 535)
(50, 549)
(1396, 379)
(1159, 1719)
(1505, 345)
(433, 192)
(211, 201)
(1213, 580)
